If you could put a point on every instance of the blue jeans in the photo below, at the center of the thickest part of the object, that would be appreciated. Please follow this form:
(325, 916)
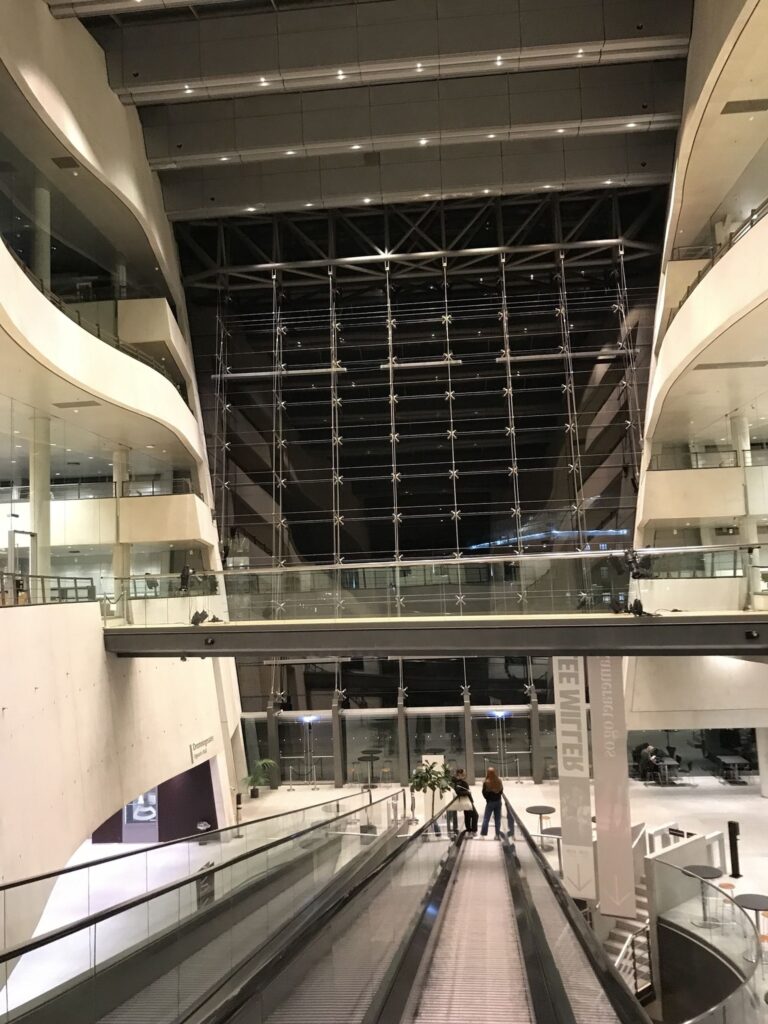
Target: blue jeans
(491, 808)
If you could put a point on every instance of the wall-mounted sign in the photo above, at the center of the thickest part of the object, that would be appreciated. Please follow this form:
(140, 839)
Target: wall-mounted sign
(199, 751)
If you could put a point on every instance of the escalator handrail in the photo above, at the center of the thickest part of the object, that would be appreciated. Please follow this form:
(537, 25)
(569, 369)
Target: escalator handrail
(316, 924)
(195, 838)
(13, 952)
(624, 1004)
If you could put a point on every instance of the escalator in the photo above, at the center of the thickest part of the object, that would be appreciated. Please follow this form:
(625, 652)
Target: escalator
(372, 920)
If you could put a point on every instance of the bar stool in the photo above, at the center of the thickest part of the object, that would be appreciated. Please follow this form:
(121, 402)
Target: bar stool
(728, 888)
(385, 775)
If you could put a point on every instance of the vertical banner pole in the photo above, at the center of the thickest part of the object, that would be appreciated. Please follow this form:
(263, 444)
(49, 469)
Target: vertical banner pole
(573, 769)
(615, 867)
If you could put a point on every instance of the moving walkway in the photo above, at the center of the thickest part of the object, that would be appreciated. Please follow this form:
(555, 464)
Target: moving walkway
(374, 921)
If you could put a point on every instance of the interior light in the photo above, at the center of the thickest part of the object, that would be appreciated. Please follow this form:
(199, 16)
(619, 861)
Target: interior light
(419, 67)
(223, 159)
(356, 146)
(250, 209)
(263, 81)
(486, 191)
(308, 205)
(188, 91)
(580, 53)
(499, 62)
(546, 186)
(149, 446)
(366, 200)
(632, 124)
(609, 181)
(290, 152)
(340, 74)
(423, 142)
(427, 195)
(491, 136)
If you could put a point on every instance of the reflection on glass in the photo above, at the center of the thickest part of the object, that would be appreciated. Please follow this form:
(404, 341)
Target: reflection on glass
(370, 736)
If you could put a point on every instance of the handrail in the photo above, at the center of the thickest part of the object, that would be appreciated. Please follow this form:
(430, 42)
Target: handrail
(39, 942)
(755, 216)
(195, 837)
(625, 1006)
(749, 973)
(451, 562)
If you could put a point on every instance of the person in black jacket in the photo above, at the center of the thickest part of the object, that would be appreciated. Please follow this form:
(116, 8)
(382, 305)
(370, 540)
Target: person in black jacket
(464, 802)
(492, 790)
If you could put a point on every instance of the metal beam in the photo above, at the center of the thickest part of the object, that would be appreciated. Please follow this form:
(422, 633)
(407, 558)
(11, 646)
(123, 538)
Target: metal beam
(737, 635)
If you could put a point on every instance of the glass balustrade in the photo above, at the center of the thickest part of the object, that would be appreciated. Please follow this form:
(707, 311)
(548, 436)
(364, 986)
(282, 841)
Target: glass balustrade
(564, 584)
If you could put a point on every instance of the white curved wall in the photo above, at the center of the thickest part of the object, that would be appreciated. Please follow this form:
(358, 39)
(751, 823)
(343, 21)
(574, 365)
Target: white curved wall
(736, 286)
(57, 343)
(61, 70)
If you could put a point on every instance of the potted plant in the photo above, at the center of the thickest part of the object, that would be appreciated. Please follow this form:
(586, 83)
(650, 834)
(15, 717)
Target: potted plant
(431, 777)
(260, 772)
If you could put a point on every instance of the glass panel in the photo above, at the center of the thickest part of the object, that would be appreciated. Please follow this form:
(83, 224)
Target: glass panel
(436, 733)
(370, 736)
(502, 740)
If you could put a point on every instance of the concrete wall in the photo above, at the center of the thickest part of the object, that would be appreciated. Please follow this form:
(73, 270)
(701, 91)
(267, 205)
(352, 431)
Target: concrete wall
(681, 494)
(82, 732)
(695, 693)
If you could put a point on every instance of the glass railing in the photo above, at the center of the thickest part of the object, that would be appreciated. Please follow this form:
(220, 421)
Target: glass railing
(693, 905)
(22, 589)
(683, 459)
(756, 457)
(68, 490)
(282, 877)
(570, 584)
(154, 488)
(76, 892)
(717, 253)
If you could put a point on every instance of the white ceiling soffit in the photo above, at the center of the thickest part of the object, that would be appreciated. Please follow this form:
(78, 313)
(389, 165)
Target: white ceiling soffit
(368, 119)
(424, 172)
(392, 41)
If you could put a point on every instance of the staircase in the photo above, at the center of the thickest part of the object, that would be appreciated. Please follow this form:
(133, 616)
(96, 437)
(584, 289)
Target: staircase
(632, 958)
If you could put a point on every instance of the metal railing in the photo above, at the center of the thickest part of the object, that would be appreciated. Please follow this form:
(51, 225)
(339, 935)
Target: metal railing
(155, 488)
(717, 252)
(23, 589)
(67, 490)
(683, 459)
(634, 960)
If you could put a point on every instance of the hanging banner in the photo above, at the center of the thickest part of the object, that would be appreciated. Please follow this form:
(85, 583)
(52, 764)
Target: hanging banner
(615, 867)
(573, 769)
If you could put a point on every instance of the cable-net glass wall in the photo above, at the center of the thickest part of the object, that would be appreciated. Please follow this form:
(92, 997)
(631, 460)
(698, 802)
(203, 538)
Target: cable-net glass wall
(452, 424)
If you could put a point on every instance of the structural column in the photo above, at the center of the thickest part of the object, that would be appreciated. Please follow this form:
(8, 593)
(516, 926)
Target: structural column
(402, 737)
(742, 443)
(40, 493)
(41, 242)
(537, 761)
(469, 739)
(761, 738)
(121, 553)
(337, 738)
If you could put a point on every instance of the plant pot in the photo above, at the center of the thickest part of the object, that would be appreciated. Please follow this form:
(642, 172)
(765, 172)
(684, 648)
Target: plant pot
(254, 792)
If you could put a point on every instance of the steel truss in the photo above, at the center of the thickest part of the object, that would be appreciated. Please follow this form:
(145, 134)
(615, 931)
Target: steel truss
(410, 242)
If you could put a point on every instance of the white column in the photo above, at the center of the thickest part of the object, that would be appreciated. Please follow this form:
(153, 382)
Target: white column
(41, 244)
(121, 553)
(40, 492)
(761, 737)
(742, 443)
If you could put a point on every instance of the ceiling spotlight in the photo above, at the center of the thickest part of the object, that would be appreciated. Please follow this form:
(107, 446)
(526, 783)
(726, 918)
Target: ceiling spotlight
(250, 209)
(632, 124)
(290, 152)
(427, 195)
(491, 136)
(308, 205)
(188, 91)
(366, 200)
(340, 74)
(546, 186)
(423, 142)
(499, 62)
(223, 159)
(580, 53)
(609, 181)
(560, 131)
(356, 146)
(419, 67)
(263, 81)
(149, 446)
(486, 191)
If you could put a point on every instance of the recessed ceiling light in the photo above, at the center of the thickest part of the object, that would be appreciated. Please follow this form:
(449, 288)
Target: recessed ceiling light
(546, 186)
(419, 67)
(580, 53)
(499, 61)
(632, 124)
(486, 191)
(340, 74)
(426, 195)
(13, 462)
(250, 209)
(366, 200)
(69, 449)
(16, 431)
(188, 91)
(19, 445)
(263, 81)
(560, 131)
(609, 181)
(90, 458)
(290, 152)
(491, 136)
(223, 159)
(149, 446)
(356, 146)
(309, 204)
(423, 142)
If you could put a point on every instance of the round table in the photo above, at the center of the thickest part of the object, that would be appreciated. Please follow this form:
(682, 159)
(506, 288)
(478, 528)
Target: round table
(370, 760)
(541, 810)
(554, 831)
(755, 902)
(706, 873)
